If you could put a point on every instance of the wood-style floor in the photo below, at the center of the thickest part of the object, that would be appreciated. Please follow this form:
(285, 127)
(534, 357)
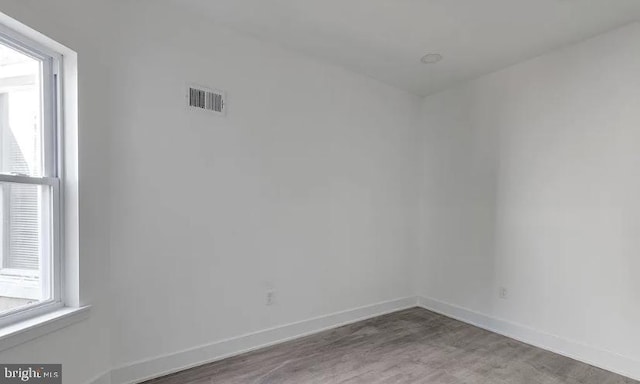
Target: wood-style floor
(411, 346)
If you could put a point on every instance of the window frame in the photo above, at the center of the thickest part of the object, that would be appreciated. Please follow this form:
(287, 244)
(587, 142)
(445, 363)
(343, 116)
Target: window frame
(52, 175)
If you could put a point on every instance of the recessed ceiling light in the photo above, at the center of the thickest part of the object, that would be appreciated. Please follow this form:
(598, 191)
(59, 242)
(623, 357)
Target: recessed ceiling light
(431, 58)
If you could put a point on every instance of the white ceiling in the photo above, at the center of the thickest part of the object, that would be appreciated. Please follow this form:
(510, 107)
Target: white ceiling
(385, 39)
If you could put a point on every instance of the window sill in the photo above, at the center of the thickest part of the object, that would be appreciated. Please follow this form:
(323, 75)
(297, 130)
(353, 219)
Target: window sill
(26, 330)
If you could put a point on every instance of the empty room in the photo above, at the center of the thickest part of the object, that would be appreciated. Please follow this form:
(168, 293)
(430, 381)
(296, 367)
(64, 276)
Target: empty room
(320, 191)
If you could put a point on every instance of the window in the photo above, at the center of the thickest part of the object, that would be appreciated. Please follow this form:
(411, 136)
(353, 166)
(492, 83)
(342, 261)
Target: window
(30, 180)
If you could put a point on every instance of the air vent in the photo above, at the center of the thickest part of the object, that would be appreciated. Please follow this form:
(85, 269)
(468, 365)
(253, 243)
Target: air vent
(206, 99)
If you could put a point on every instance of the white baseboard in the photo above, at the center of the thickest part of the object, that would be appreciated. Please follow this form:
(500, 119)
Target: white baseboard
(103, 378)
(166, 364)
(596, 357)
(163, 365)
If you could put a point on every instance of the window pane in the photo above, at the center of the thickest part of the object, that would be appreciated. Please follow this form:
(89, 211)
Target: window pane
(20, 113)
(24, 245)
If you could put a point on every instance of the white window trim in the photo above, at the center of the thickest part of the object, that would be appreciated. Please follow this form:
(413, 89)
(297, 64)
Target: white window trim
(34, 327)
(51, 279)
(69, 306)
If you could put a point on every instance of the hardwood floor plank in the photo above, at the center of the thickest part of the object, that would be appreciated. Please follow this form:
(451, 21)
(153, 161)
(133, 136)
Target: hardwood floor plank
(410, 346)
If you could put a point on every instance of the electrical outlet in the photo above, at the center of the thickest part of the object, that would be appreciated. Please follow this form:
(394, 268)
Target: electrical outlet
(503, 293)
(271, 298)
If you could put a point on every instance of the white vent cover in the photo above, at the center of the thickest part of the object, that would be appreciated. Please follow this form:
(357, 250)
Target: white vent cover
(206, 99)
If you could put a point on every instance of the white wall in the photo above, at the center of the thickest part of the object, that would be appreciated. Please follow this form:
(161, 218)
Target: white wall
(82, 348)
(306, 187)
(530, 182)
(310, 184)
